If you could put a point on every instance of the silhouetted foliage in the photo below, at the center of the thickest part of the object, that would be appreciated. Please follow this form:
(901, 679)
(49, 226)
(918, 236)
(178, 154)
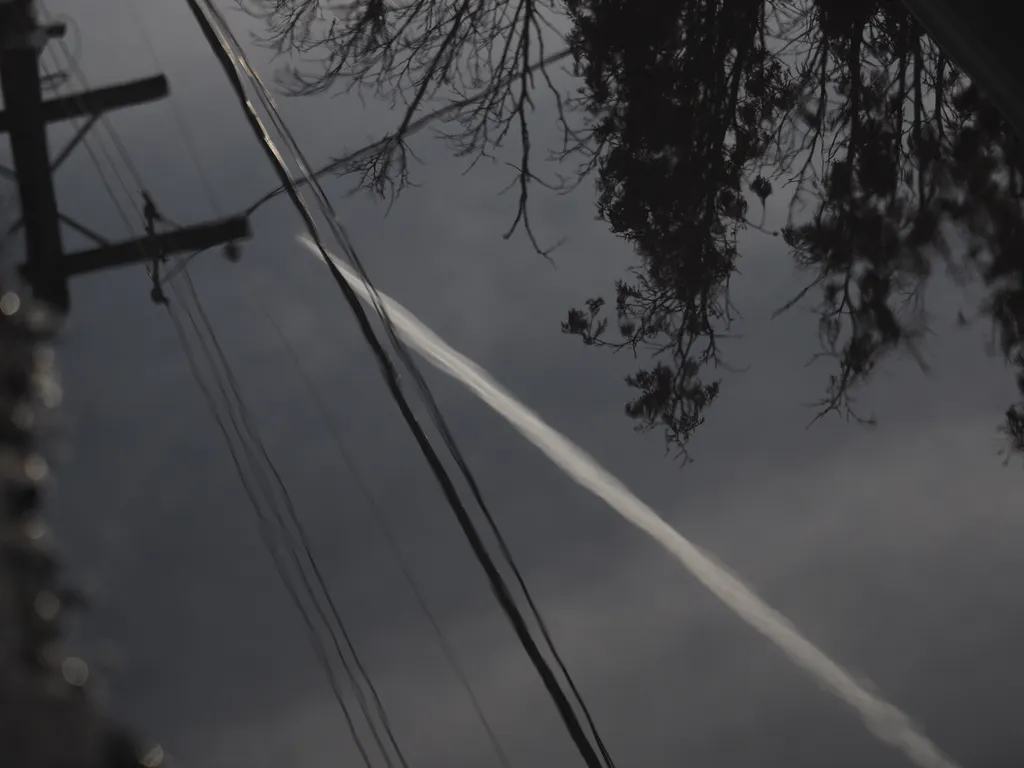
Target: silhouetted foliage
(892, 162)
(485, 55)
(846, 103)
(46, 716)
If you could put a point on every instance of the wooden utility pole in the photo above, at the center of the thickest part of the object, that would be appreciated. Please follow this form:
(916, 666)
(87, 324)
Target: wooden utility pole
(25, 117)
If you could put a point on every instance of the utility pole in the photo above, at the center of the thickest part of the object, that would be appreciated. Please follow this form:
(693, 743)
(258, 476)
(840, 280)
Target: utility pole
(25, 118)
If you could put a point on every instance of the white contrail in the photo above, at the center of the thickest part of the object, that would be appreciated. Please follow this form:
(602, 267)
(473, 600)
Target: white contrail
(882, 719)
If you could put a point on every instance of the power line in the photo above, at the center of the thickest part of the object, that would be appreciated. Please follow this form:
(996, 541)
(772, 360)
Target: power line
(265, 529)
(234, 64)
(305, 546)
(106, 182)
(261, 477)
(247, 435)
(186, 134)
(114, 136)
(387, 530)
(436, 416)
(86, 142)
(79, 74)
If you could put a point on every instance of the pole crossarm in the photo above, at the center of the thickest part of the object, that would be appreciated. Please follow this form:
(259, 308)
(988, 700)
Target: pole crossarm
(97, 101)
(150, 247)
(25, 117)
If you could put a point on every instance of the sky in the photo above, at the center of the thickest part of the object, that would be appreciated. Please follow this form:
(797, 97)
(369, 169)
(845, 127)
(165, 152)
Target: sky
(893, 548)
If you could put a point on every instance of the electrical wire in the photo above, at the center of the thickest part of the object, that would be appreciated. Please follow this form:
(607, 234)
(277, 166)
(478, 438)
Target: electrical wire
(245, 432)
(305, 546)
(191, 145)
(79, 73)
(235, 65)
(137, 176)
(184, 131)
(265, 529)
(331, 424)
(434, 411)
(336, 437)
(319, 649)
(318, 645)
(436, 416)
(188, 137)
(96, 161)
(304, 542)
(80, 99)
(438, 419)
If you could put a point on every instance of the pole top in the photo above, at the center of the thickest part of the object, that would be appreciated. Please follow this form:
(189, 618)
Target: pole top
(20, 29)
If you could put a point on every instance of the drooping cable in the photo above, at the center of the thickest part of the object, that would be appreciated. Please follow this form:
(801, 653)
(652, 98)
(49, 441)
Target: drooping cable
(95, 160)
(265, 525)
(266, 529)
(338, 229)
(319, 648)
(235, 67)
(305, 546)
(414, 127)
(79, 73)
(434, 411)
(184, 131)
(247, 421)
(438, 419)
(390, 536)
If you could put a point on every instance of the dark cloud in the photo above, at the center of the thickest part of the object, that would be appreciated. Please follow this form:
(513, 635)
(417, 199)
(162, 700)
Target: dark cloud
(894, 549)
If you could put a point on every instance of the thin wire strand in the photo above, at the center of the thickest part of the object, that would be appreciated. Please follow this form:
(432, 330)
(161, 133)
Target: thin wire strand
(235, 66)
(381, 518)
(119, 145)
(87, 143)
(188, 139)
(265, 528)
(436, 415)
(318, 645)
(237, 412)
(305, 545)
(187, 136)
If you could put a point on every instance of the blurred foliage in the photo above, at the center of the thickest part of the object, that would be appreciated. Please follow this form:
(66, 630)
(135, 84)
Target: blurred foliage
(47, 719)
(891, 164)
(891, 161)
